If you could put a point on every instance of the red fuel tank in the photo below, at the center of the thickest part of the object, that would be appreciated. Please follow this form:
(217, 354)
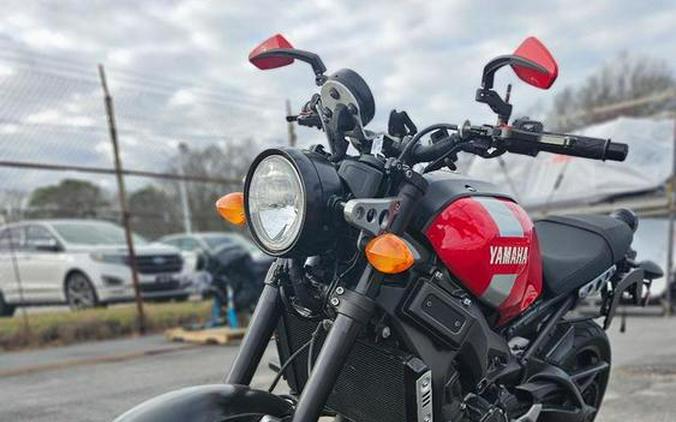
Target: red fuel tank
(489, 245)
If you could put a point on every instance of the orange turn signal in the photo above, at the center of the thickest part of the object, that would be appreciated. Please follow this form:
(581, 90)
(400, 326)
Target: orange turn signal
(231, 208)
(389, 254)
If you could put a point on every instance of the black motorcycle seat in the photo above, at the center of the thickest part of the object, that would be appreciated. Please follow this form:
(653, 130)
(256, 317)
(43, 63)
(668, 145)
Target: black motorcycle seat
(577, 249)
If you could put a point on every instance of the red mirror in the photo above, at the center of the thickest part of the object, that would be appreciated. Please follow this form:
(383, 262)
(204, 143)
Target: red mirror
(267, 61)
(533, 50)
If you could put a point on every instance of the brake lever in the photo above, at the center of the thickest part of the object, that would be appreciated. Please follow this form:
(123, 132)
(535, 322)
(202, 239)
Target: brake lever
(400, 124)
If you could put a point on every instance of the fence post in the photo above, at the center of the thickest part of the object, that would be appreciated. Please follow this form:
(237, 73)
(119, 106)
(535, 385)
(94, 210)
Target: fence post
(289, 126)
(123, 199)
(183, 190)
(671, 273)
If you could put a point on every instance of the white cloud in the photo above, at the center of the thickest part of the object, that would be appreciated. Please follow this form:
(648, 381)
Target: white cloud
(9, 128)
(120, 56)
(46, 116)
(422, 56)
(44, 38)
(182, 97)
(6, 70)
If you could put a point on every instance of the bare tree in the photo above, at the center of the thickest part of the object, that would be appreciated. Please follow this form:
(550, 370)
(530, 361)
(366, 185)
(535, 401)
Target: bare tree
(70, 198)
(230, 161)
(154, 212)
(622, 80)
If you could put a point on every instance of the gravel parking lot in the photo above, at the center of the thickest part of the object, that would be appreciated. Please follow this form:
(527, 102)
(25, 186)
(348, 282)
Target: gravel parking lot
(97, 381)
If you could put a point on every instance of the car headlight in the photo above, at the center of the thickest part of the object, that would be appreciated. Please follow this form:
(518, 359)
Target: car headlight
(108, 258)
(285, 198)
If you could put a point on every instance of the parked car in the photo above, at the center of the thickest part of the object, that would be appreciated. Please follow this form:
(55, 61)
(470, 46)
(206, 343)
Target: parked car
(197, 248)
(83, 263)
(209, 241)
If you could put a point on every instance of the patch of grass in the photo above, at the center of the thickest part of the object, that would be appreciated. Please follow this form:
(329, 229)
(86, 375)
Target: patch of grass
(67, 327)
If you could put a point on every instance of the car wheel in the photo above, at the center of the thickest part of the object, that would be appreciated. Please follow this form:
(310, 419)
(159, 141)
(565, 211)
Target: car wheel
(80, 292)
(6, 310)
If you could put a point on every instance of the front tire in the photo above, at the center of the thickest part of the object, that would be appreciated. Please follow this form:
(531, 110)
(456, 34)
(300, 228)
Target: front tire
(80, 292)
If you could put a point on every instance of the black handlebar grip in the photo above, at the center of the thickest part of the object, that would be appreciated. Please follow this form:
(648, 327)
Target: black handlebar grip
(617, 151)
(600, 149)
(574, 145)
(583, 146)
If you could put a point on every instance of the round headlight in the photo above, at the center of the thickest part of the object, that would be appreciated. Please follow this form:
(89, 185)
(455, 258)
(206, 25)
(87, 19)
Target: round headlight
(276, 203)
(286, 194)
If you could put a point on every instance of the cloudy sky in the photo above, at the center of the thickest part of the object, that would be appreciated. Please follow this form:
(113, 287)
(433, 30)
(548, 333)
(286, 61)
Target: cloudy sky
(178, 69)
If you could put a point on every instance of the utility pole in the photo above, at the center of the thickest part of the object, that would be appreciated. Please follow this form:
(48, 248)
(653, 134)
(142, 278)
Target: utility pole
(290, 127)
(122, 194)
(671, 238)
(183, 191)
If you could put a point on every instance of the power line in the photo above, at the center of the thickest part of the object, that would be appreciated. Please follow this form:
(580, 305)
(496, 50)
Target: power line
(24, 56)
(198, 95)
(105, 170)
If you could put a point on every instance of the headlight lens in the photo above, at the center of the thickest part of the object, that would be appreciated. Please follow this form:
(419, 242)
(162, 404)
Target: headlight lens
(108, 258)
(276, 202)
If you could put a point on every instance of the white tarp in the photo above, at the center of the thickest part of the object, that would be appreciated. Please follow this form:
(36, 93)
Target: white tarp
(531, 179)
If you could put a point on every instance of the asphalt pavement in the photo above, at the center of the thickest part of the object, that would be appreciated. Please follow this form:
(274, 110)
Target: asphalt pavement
(97, 381)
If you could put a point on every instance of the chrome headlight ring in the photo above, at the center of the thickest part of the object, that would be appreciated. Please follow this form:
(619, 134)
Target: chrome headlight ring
(286, 194)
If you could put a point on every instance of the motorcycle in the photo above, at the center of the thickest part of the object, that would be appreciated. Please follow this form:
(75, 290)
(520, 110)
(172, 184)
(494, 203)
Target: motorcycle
(405, 292)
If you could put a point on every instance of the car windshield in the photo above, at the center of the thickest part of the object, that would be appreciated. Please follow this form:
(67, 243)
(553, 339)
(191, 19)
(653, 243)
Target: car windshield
(94, 233)
(216, 240)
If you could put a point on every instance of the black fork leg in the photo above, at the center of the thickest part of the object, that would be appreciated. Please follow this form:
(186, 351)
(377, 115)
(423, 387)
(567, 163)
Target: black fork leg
(263, 323)
(326, 369)
(354, 311)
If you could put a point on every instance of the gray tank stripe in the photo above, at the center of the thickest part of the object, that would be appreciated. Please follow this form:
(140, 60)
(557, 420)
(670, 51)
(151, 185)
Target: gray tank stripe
(499, 288)
(508, 224)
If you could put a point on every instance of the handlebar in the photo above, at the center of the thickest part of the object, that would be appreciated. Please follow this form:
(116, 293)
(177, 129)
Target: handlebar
(425, 153)
(525, 137)
(526, 142)
(480, 139)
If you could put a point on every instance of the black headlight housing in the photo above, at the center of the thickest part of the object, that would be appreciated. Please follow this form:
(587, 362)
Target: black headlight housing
(321, 183)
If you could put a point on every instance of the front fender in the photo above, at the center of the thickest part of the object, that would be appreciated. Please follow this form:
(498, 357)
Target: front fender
(209, 403)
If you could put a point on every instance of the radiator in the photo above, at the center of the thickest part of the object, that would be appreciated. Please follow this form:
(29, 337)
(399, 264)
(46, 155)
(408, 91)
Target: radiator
(376, 384)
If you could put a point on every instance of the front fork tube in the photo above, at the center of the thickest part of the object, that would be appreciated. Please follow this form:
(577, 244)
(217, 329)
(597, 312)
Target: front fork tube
(326, 369)
(263, 324)
(354, 311)
(356, 308)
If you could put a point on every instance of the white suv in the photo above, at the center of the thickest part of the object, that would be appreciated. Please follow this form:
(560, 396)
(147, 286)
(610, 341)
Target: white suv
(83, 263)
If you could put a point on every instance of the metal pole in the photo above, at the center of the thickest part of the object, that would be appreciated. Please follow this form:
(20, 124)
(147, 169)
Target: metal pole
(291, 129)
(182, 189)
(17, 277)
(671, 271)
(123, 199)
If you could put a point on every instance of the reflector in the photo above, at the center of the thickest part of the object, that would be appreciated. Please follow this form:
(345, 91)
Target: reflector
(231, 208)
(389, 254)
(532, 49)
(276, 41)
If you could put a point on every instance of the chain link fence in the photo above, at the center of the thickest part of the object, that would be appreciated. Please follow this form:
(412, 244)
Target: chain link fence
(181, 146)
